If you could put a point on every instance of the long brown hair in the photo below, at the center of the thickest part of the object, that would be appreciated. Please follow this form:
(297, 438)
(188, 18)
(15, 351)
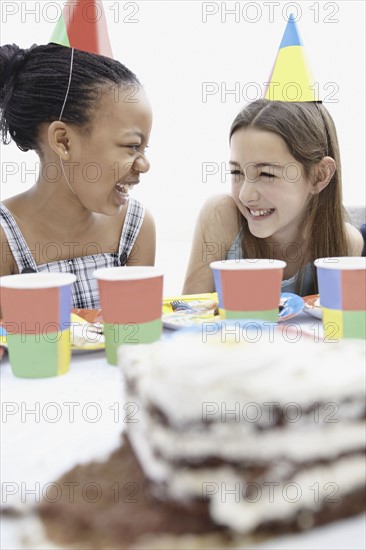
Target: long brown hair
(310, 135)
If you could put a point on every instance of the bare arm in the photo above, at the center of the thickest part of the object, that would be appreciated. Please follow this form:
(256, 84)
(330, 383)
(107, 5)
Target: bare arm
(355, 240)
(7, 262)
(143, 251)
(216, 228)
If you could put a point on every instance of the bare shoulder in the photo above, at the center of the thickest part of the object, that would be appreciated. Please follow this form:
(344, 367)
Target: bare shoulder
(220, 205)
(355, 240)
(216, 229)
(17, 204)
(220, 214)
(147, 230)
(143, 252)
(149, 223)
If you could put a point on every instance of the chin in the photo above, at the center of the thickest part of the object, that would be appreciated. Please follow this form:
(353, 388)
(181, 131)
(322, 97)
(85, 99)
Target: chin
(108, 210)
(260, 234)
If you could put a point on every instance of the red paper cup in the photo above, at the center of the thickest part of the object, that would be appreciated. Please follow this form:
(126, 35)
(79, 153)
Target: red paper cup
(248, 289)
(131, 301)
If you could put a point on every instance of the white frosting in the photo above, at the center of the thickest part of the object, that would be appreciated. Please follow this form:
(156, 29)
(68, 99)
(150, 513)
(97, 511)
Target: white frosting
(311, 489)
(215, 396)
(272, 449)
(190, 372)
(258, 446)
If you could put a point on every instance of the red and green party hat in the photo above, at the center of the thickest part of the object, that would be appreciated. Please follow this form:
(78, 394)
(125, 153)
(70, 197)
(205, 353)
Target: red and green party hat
(291, 78)
(83, 26)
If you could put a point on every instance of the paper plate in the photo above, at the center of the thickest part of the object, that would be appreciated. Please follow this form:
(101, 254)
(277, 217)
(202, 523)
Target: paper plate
(312, 305)
(86, 332)
(85, 335)
(290, 305)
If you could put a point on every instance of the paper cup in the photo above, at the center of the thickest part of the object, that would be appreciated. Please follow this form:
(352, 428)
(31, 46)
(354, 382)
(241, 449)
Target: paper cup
(36, 310)
(131, 301)
(248, 289)
(342, 290)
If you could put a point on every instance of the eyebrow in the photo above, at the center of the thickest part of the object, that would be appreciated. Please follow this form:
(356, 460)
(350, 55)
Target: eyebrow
(258, 164)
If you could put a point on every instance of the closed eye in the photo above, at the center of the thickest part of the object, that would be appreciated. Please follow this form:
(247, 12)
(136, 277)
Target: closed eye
(267, 175)
(136, 147)
(235, 172)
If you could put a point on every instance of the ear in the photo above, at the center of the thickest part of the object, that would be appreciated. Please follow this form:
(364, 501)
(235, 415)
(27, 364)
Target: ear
(323, 173)
(59, 138)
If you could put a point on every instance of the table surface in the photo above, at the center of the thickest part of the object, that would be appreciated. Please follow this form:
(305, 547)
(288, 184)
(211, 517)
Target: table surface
(50, 425)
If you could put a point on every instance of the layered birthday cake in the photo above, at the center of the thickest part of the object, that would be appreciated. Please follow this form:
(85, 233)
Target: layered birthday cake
(268, 433)
(233, 435)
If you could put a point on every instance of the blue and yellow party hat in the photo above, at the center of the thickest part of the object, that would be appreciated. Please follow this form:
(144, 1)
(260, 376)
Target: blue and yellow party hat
(291, 78)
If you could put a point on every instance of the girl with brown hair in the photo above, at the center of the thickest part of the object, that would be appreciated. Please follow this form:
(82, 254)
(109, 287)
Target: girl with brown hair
(285, 201)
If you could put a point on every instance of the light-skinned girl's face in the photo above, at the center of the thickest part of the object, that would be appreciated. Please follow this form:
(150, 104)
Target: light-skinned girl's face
(110, 158)
(268, 185)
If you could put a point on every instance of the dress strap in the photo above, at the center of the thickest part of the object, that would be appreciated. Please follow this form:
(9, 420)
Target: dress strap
(131, 227)
(235, 252)
(17, 243)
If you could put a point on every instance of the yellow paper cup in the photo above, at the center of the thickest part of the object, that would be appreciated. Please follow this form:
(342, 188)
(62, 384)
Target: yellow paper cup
(342, 290)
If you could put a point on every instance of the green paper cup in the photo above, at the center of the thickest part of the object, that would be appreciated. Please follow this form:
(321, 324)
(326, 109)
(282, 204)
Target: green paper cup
(342, 290)
(131, 301)
(36, 309)
(248, 289)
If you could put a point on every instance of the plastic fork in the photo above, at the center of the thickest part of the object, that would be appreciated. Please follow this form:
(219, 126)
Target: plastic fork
(181, 305)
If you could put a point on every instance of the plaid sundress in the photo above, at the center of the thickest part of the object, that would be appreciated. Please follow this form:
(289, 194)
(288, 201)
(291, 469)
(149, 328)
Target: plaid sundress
(85, 293)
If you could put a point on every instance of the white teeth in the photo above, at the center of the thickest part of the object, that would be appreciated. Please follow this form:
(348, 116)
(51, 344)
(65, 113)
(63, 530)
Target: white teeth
(122, 188)
(260, 212)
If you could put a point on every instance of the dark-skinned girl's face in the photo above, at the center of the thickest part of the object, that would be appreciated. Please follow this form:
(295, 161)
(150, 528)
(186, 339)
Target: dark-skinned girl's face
(111, 156)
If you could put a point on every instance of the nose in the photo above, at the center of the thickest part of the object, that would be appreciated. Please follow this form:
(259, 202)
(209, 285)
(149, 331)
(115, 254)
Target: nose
(248, 192)
(142, 164)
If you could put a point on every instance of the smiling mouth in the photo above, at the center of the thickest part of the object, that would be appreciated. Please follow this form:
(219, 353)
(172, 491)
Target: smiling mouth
(260, 212)
(124, 188)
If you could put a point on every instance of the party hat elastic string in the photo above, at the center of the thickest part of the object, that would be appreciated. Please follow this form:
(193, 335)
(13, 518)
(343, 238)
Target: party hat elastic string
(69, 83)
(62, 112)
(82, 26)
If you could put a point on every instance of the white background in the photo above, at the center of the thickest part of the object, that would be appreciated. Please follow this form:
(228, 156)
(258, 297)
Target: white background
(174, 48)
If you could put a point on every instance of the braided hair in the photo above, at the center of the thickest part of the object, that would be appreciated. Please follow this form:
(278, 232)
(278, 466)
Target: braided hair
(33, 85)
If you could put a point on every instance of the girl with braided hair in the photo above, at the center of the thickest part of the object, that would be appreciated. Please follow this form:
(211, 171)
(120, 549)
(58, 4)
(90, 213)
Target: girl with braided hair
(89, 120)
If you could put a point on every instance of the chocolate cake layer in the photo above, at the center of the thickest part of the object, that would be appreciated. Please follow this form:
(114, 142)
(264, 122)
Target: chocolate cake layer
(296, 443)
(118, 522)
(109, 504)
(255, 472)
(269, 415)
